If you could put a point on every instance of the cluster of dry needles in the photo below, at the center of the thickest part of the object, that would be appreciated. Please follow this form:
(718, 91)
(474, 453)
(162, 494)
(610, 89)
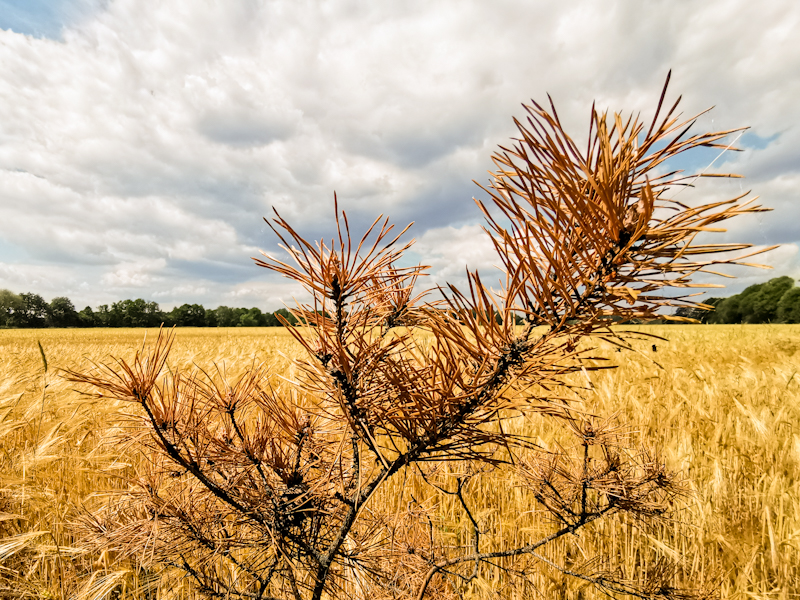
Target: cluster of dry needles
(255, 490)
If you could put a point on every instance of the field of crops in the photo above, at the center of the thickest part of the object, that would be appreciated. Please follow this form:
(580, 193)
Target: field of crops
(723, 402)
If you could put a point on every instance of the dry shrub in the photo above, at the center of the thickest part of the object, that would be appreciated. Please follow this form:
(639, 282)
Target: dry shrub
(255, 488)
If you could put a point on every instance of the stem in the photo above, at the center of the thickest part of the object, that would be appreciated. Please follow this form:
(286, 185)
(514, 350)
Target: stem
(252, 458)
(192, 467)
(529, 549)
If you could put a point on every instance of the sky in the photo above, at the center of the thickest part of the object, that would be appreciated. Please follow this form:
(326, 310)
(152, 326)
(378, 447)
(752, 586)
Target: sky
(143, 141)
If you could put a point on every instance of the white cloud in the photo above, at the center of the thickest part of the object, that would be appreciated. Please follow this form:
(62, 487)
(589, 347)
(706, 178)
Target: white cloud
(134, 275)
(139, 151)
(450, 251)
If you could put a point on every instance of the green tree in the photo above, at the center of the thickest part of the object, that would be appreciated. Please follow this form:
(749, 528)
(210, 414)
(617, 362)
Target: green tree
(761, 306)
(789, 306)
(286, 315)
(103, 316)
(728, 311)
(189, 315)
(136, 313)
(237, 315)
(87, 318)
(758, 303)
(62, 313)
(248, 320)
(688, 313)
(708, 315)
(252, 318)
(9, 304)
(699, 314)
(225, 316)
(32, 313)
(746, 301)
(116, 315)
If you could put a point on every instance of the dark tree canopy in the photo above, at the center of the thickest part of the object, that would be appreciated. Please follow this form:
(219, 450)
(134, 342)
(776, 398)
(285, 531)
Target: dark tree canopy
(789, 306)
(189, 315)
(135, 313)
(62, 313)
(775, 301)
(9, 304)
(31, 310)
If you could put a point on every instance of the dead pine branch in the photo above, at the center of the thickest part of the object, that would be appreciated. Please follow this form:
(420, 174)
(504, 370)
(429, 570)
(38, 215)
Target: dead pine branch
(259, 488)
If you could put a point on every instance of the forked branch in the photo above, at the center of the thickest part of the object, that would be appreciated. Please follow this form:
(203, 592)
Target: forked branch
(266, 489)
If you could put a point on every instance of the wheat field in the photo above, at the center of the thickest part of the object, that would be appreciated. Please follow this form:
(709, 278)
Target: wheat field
(722, 402)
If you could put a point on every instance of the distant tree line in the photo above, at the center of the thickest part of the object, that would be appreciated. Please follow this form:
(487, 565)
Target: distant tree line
(776, 301)
(31, 310)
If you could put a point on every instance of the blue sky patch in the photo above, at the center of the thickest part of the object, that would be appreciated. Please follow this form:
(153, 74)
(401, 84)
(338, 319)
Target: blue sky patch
(45, 18)
(756, 142)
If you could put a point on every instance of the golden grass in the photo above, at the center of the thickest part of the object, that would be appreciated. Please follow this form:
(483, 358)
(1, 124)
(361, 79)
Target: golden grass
(52, 461)
(722, 401)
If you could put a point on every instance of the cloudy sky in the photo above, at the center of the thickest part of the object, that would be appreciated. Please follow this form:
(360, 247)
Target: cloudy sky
(142, 141)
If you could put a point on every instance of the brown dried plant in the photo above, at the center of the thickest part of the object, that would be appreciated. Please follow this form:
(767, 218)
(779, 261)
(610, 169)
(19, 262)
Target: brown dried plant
(260, 488)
